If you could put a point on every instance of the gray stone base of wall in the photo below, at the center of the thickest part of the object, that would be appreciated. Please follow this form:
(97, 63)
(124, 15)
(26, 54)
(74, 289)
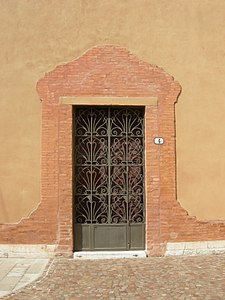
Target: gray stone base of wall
(49, 251)
(195, 248)
(27, 251)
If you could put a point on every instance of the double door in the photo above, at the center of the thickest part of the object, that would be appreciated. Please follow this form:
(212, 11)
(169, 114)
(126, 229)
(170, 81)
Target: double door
(108, 184)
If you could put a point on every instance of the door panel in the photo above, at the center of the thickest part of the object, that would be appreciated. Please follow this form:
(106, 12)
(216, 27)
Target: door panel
(109, 212)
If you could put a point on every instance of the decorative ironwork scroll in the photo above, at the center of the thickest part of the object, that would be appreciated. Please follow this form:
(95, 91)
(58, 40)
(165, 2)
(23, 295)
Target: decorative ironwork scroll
(109, 166)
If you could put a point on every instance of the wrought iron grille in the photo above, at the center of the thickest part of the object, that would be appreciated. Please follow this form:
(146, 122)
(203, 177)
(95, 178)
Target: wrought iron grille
(109, 166)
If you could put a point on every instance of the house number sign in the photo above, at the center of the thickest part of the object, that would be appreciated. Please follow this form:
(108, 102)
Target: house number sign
(158, 140)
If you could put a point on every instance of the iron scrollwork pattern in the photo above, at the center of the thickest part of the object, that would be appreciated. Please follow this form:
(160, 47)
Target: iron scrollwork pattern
(109, 151)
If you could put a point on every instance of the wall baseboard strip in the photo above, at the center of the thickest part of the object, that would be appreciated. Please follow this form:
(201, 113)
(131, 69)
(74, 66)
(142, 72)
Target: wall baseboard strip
(195, 248)
(27, 251)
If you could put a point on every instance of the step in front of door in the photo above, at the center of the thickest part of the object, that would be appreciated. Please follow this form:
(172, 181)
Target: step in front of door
(109, 254)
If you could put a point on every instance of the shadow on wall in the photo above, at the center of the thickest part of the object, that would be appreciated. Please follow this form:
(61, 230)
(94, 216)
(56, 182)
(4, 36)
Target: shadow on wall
(3, 207)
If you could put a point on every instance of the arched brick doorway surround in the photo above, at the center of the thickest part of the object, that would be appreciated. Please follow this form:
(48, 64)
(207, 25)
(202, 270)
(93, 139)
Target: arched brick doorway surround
(108, 75)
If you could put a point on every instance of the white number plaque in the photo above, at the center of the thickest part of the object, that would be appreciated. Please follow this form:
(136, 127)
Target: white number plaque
(158, 140)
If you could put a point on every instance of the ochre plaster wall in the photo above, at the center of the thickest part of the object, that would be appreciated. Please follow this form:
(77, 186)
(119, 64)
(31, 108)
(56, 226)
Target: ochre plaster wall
(185, 37)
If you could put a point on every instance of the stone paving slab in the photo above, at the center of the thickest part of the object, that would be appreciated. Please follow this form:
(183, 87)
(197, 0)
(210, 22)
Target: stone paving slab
(16, 273)
(170, 278)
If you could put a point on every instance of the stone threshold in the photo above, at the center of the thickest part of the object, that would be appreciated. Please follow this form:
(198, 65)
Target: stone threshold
(109, 254)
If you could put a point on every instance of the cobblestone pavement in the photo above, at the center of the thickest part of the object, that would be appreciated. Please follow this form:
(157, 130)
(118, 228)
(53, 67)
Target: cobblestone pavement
(170, 278)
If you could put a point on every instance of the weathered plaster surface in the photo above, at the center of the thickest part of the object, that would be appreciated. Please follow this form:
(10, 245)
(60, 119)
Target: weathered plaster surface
(185, 38)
